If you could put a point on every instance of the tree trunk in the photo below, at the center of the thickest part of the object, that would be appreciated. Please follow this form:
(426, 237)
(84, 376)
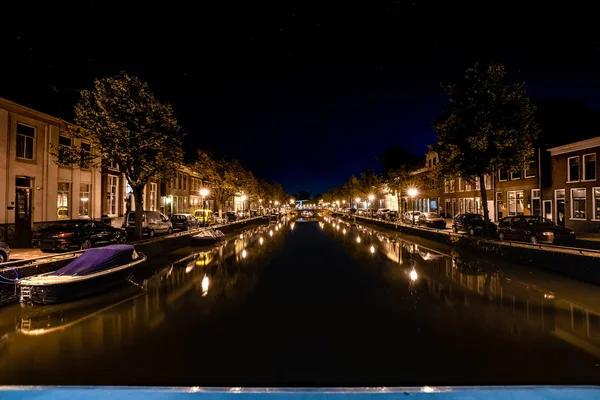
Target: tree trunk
(484, 204)
(139, 208)
(219, 206)
(398, 203)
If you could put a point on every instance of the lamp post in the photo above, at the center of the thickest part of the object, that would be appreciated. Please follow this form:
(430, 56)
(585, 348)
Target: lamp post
(243, 200)
(203, 194)
(412, 192)
(371, 198)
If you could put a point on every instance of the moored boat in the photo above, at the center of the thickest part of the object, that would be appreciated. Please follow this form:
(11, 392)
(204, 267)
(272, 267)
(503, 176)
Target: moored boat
(208, 236)
(96, 270)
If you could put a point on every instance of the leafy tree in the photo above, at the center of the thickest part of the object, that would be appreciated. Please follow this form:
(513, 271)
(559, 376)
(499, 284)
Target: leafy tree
(226, 177)
(131, 128)
(488, 125)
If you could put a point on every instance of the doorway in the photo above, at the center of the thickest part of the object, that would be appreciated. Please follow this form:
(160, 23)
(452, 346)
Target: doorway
(559, 197)
(547, 209)
(23, 206)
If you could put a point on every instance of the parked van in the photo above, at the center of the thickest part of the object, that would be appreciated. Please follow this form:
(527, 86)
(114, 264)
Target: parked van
(204, 217)
(153, 222)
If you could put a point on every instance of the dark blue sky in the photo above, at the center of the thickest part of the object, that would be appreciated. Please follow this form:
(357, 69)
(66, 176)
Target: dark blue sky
(303, 94)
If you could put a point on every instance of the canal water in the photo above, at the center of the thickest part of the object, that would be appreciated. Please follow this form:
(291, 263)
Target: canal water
(313, 303)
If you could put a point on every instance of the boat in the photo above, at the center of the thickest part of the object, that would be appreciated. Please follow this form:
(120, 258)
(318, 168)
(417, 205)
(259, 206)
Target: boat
(95, 271)
(208, 236)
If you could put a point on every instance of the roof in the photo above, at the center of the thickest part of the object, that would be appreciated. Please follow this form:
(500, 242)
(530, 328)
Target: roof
(575, 146)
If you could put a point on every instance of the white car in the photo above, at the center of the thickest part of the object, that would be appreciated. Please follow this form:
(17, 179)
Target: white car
(411, 217)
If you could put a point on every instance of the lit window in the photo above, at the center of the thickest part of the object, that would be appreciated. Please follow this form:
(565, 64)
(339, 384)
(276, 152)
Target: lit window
(25, 141)
(84, 199)
(589, 167)
(573, 169)
(451, 185)
(63, 200)
(111, 195)
(597, 203)
(477, 183)
(445, 186)
(488, 182)
(578, 203)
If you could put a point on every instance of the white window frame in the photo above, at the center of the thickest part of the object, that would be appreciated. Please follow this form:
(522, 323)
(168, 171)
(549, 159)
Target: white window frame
(583, 167)
(594, 204)
(33, 142)
(488, 182)
(525, 170)
(544, 202)
(461, 187)
(499, 178)
(110, 201)
(477, 183)
(452, 182)
(569, 169)
(508, 199)
(512, 177)
(69, 199)
(534, 198)
(89, 199)
(84, 163)
(153, 199)
(571, 205)
(468, 186)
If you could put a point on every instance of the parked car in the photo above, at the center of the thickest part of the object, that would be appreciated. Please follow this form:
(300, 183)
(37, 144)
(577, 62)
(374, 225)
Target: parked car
(76, 234)
(411, 217)
(204, 217)
(392, 216)
(4, 252)
(431, 220)
(231, 216)
(153, 222)
(471, 223)
(185, 222)
(381, 213)
(534, 229)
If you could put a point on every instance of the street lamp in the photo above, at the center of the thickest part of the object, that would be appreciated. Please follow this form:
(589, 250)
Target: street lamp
(203, 193)
(412, 192)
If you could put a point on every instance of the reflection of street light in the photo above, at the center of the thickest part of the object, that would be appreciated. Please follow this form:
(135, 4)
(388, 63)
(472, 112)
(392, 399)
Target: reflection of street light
(413, 275)
(413, 192)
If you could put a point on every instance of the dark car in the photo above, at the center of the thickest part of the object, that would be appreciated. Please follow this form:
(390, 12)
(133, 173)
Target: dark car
(185, 222)
(4, 252)
(471, 223)
(431, 220)
(231, 216)
(534, 229)
(76, 234)
(392, 216)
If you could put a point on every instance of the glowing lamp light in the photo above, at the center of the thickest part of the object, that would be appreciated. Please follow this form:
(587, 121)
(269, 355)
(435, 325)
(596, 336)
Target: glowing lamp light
(244, 253)
(357, 199)
(412, 192)
(344, 231)
(241, 235)
(261, 241)
(372, 249)
(271, 233)
(277, 228)
(244, 197)
(413, 275)
(203, 192)
(371, 197)
(358, 239)
(205, 283)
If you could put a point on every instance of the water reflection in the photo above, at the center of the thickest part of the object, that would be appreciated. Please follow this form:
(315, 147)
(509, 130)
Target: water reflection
(464, 281)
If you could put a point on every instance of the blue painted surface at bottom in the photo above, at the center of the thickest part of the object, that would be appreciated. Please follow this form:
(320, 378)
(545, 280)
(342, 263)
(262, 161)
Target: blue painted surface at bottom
(449, 393)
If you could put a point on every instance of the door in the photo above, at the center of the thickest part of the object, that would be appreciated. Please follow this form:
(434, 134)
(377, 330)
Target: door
(559, 196)
(454, 210)
(547, 210)
(23, 209)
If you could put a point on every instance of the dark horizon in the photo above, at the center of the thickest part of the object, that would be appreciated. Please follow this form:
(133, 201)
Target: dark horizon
(298, 92)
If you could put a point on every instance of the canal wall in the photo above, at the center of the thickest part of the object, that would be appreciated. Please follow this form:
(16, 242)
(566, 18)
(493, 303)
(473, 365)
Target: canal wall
(14, 270)
(582, 264)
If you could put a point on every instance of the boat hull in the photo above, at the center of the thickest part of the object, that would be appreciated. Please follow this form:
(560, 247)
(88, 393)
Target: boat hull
(68, 291)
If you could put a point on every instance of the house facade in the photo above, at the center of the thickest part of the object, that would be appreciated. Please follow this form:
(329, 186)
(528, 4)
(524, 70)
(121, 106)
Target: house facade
(36, 189)
(573, 200)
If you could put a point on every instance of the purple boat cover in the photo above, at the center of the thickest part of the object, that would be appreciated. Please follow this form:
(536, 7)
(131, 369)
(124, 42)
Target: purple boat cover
(98, 259)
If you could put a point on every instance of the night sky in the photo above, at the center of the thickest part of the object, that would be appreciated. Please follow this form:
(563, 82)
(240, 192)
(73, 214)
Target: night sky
(303, 94)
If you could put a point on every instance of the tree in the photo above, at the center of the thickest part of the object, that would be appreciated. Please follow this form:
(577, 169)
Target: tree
(396, 158)
(488, 125)
(226, 177)
(131, 128)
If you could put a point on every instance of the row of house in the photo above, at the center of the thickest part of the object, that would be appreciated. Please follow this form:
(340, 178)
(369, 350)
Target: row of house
(37, 190)
(560, 183)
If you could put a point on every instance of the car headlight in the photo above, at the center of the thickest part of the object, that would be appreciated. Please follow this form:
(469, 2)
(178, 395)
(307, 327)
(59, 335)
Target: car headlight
(547, 233)
(572, 233)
